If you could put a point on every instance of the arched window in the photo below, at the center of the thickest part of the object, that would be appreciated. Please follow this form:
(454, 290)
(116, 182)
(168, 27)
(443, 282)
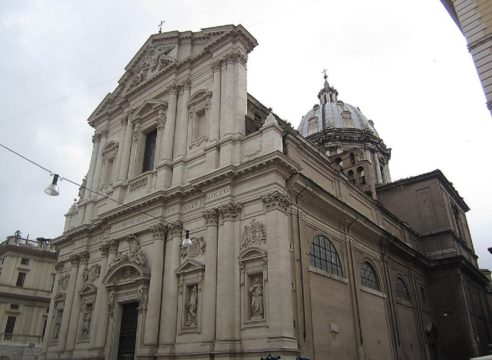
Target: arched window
(324, 256)
(368, 276)
(401, 290)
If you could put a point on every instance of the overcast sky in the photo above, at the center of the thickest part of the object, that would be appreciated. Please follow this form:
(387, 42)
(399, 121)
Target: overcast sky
(404, 63)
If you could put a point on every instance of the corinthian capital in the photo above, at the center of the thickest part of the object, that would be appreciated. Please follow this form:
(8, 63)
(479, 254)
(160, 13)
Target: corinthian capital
(176, 228)
(75, 259)
(276, 200)
(84, 257)
(211, 216)
(159, 231)
(230, 211)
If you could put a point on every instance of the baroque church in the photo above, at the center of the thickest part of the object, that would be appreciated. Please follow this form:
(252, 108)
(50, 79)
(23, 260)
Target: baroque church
(208, 228)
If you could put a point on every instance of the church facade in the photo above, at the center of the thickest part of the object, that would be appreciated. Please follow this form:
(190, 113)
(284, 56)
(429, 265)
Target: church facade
(208, 228)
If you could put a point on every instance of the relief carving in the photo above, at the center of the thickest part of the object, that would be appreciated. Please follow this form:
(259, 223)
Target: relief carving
(196, 248)
(253, 235)
(143, 297)
(86, 320)
(135, 253)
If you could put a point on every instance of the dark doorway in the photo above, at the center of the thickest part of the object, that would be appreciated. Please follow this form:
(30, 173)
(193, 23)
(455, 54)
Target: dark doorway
(128, 331)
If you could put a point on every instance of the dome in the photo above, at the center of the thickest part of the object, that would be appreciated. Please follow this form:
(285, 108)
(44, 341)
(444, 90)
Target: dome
(333, 113)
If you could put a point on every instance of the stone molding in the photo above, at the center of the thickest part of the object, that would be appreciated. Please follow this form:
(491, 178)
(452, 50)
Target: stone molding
(276, 200)
(230, 211)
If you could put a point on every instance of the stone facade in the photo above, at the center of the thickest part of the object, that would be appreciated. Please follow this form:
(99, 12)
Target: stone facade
(27, 269)
(287, 254)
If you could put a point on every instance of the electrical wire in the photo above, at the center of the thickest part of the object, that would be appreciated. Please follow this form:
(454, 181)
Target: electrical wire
(59, 99)
(75, 183)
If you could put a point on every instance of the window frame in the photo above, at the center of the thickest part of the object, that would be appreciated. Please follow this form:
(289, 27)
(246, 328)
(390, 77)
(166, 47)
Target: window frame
(325, 258)
(374, 272)
(19, 282)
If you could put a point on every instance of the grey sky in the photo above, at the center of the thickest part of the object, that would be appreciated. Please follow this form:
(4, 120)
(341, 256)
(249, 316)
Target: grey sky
(405, 64)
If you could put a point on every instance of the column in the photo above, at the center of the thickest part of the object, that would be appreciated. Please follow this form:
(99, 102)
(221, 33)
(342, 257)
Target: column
(96, 141)
(96, 183)
(124, 150)
(280, 298)
(155, 287)
(169, 305)
(74, 316)
(161, 123)
(226, 276)
(98, 335)
(181, 138)
(210, 283)
(228, 95)
(67, 311)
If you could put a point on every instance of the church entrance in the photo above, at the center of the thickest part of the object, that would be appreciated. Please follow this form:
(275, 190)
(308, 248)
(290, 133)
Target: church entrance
(128, 331)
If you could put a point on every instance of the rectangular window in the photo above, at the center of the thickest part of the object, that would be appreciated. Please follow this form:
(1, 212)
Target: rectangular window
(9, 328)
(14, 306)
(25, 261)
(149, 153)
(21, 278)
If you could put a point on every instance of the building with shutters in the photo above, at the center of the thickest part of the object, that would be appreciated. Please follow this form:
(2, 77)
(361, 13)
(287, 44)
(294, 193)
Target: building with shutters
(301, 244)
(27, 270)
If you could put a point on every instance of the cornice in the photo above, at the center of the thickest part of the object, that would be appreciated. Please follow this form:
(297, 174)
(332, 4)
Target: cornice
(4, 248)
(436, 174)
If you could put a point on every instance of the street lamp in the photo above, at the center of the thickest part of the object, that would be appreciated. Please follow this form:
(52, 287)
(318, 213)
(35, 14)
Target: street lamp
(186, 243)
(52, 189)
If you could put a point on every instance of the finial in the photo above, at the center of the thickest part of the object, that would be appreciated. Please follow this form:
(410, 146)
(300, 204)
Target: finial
(160, 26)
(325, 75)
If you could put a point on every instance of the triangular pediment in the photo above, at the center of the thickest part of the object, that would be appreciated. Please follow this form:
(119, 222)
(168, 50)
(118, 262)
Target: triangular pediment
(167, 53)
(148, 107)
(189, 266)
(88, 289)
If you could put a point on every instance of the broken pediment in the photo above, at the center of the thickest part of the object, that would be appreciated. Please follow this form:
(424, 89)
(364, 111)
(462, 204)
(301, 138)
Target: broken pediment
(190, 266)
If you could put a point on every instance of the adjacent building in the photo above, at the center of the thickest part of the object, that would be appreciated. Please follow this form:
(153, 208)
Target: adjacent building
(27, 270)
(474, 19)
(297, 242)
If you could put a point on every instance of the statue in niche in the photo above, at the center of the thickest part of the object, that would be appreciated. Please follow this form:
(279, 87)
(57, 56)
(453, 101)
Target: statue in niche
(57, 324)
(192, 307)
(111, 303)
(256, 293)
(86, 321)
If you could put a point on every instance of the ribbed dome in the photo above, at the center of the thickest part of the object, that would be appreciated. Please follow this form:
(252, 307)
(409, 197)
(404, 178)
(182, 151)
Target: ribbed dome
(333, 113)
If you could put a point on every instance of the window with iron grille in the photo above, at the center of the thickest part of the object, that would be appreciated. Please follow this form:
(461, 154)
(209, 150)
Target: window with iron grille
(324, 256)
(368, 276)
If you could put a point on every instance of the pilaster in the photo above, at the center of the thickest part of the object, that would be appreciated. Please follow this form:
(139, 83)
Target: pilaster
(125, 150)
(98, 338)
(96, 141)
(96, 183)
(67, 311)
(226, 279)
(280, 279)
(169, 304)
(74, 317)
(181, 136)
